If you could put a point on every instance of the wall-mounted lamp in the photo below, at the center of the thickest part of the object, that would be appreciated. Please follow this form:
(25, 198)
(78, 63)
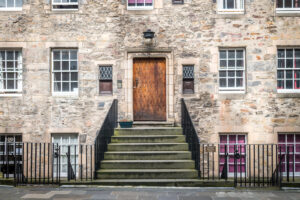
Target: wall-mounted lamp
(148, 37)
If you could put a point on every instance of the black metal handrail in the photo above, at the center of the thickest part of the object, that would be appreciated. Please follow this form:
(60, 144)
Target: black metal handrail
(191, 135)
(105, 133)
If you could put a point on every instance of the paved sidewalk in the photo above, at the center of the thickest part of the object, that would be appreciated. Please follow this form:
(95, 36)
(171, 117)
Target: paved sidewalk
(129, 193)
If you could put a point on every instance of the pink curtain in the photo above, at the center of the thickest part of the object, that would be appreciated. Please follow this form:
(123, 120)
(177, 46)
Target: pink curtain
(290, 138)
(241, 139)
(149, 1)
(131, 1)
(223, 139)
(281, 138)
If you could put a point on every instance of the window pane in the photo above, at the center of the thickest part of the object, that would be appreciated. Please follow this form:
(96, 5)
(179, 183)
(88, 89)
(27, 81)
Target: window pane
(222, 73)
(240, 63)
(280, 84)
(74, 86)
(65, 55)
(289, 74)
(239, 82)
(297, 51)
(57, 86)
(57, 76)
(239, 73)
(10, 84)
(223, 64)
(73, 65)
(222, 54)
(296, 4)
(289, 53)
(231, 73)
(231, 63)
(230, 4)
(239, 54)
(56, 65)
(74, 76)
(10, 65)
(280, 74)
(289, 63)
(281, 53)
(19, 3)
(231, 54)
(9, 55)
(223, 82)
(73, 55)
(66, 87)
(65, 76)
(10, 3)
(297, 62)
(289, 84)
(297, 84)
(297, 74)
(231, 82)
(223, 139)
(281, 63)
(56, 55)
(2, 4)
(65, 65)
(288, 3)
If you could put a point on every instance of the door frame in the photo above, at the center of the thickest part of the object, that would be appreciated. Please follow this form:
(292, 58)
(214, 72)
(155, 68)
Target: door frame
(128, 81)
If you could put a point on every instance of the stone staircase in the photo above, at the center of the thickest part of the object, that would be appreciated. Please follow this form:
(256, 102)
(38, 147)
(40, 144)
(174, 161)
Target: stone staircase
(150, 156)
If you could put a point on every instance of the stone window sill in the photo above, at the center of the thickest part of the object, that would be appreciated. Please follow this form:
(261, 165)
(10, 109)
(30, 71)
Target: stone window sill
(10, 95)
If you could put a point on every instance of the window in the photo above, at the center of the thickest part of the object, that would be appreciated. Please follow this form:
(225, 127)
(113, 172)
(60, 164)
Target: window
(228, 145)
(232, 6)
(11, 5)
(289, 144)
(288, 6)
(10, 146)
(188, 79)
(232, 70)
(65, 71)
(10, 71)
(64, 141)
(178, 1)
(105, 80)
(288, 70)
(64, 4)
(139, 4)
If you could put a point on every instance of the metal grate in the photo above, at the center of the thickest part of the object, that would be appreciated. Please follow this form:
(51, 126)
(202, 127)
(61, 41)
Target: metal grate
(188, 72)
(105, 73)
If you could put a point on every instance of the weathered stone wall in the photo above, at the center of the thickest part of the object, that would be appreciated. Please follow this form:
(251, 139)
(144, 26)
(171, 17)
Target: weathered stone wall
(103, 31)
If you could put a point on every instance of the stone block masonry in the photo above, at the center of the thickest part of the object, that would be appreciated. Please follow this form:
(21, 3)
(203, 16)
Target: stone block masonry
(104, 32)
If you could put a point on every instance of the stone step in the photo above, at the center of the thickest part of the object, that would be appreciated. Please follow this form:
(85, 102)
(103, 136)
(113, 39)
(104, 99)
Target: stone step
(156, 182)
(148, 131)
(148, 155)
(153, 124)
(146, 173)
(148, 147)
(147, 164)
(149, 139)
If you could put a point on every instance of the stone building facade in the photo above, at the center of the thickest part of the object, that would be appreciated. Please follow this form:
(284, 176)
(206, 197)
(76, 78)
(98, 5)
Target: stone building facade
(195, 33)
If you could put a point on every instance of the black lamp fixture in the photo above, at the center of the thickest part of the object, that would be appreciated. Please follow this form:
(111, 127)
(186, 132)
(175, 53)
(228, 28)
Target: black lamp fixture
(149, 34)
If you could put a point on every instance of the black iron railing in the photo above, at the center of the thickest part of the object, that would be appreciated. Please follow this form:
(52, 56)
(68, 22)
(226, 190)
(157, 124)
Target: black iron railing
(191, 135)
(105, 133)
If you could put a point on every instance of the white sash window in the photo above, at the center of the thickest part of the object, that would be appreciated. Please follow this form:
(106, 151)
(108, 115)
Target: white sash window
(11, 5)
(139, 4)
(231, 6)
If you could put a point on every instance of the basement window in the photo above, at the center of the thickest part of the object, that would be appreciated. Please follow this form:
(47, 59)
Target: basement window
(105, 80)
(139, 4)
(229, 143)
(288, 6)
(188, 79)
(11, 5)
(178, 1)
(65, 4)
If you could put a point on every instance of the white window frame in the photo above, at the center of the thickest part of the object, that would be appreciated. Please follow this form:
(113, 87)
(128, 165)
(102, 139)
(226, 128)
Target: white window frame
(64, 4)
(285, 69)
(222, 10)
(291, 153)
(12, 8)
(232, 89)
(18, 71)
(287, 10)
(62, 93)
(72, 151)
(140, 7)
(230, 174)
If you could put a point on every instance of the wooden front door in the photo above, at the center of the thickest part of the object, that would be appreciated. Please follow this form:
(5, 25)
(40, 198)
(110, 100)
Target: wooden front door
(149, 89)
